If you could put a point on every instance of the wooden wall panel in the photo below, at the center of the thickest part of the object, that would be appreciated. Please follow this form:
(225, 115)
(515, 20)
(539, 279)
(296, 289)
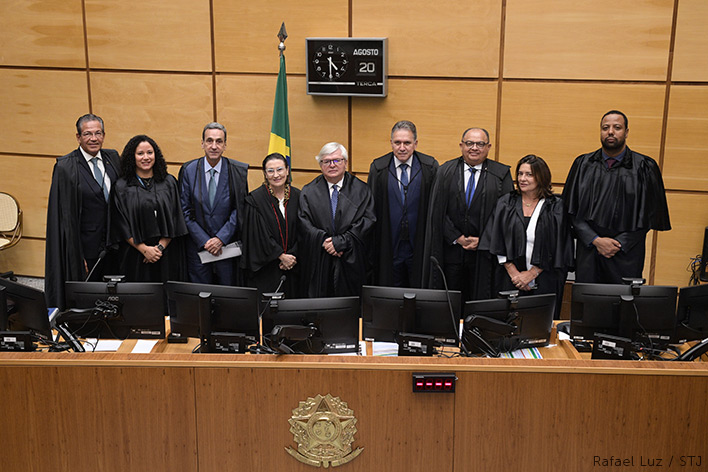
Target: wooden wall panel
(689, 217)
(690, 58)
(246, 32)
(170, 108)
(602, 39)
(143, 419)
(576, 411)
(447, 39)
(149, 34)
(26, 258)
(381, 401)
(39, 110)
(560, 121)
(686, 157)
(441, 111)
(245, 107)
(45, 33)
(28, 179)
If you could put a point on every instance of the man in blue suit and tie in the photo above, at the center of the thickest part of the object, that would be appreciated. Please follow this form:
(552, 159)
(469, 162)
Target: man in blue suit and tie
(400, 182)
(77, 211)
(212, 192)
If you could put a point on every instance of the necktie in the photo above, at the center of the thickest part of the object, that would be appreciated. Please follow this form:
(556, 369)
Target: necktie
(611, 162)
(99, 177)
(404, 181)
(470, 186)
(334, 199)
(212, 188)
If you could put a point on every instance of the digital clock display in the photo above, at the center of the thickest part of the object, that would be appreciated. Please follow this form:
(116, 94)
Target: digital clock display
(347, 66)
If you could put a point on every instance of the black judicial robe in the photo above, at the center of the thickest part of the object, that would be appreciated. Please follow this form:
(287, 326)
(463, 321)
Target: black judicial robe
(450, 217)
(623, 202)
(323, 274)
(146, 215)
(66, 214)
(505, 235)
(383, 249)
(264, 240)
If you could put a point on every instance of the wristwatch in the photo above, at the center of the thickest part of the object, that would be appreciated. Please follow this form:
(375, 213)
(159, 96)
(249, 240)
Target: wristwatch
(160, 247)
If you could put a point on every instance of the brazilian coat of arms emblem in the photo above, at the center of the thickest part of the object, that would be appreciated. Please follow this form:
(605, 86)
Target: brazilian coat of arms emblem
(323, 428)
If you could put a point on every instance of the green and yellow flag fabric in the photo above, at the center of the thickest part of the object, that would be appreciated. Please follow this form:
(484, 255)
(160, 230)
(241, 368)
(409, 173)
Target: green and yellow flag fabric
(280, 128)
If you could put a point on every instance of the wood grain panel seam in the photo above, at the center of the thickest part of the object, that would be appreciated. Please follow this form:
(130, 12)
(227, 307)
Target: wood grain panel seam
(212, 40)
(43, 68)
(664, 126)
(500, 83)
(87, 67)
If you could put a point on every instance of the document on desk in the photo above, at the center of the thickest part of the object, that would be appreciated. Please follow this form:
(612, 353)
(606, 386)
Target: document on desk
(227, 252)
(527, 353)
(384, 349)
(144, 346)
(102, 345)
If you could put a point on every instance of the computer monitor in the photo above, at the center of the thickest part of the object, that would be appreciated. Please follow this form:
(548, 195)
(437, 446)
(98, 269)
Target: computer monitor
(509, 323)
(692, 314)
(232, 309)
(387, 311)
(646, 313)
(115, 310)
(327, 325)
(26, 309)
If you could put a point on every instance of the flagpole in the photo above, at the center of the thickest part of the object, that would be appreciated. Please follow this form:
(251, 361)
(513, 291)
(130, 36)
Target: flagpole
(280, 127)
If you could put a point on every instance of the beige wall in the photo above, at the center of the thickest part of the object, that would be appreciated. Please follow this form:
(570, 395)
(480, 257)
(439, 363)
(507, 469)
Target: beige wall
(537, 74)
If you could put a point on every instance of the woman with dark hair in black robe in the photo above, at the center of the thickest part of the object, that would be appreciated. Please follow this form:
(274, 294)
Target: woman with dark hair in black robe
(529, 235)
(147, 220)
(270, 230)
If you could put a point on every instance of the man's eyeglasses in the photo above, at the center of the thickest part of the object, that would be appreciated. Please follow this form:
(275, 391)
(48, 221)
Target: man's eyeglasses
(279, 170)
(327, 162)
(472, 144)
(89, 134)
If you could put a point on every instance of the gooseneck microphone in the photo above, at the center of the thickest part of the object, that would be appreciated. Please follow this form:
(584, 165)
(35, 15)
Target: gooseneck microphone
(101, 255)
(276, 295)
(282, 280)
(455, 323)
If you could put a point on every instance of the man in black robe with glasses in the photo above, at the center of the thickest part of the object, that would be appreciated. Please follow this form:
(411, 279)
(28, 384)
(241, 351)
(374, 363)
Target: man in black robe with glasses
(336, 217)
(464, 195)
(77, 212)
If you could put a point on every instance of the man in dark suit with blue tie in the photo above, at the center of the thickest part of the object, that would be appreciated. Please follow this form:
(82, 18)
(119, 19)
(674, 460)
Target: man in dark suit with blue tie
(400, 182)
(77, 212)
(465, 192)
(213, 189)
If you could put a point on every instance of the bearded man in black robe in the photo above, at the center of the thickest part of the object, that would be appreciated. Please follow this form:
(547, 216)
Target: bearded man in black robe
(336, 217)
(400, 182)
(464, 195)
(613, 197)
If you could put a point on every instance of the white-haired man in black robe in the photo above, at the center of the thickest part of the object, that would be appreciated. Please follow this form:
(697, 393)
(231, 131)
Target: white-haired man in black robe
(336, 217)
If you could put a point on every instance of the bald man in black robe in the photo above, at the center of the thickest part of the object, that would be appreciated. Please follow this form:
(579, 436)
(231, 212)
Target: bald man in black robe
(464, 195)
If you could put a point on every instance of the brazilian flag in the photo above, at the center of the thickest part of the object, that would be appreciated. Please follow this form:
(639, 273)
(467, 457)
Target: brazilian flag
(280, 128)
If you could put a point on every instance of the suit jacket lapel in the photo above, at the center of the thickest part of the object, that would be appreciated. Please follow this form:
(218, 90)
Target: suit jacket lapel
(460, 182)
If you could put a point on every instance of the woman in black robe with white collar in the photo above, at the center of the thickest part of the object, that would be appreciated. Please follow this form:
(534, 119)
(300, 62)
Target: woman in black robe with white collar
(270, 230)
(529, 235)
